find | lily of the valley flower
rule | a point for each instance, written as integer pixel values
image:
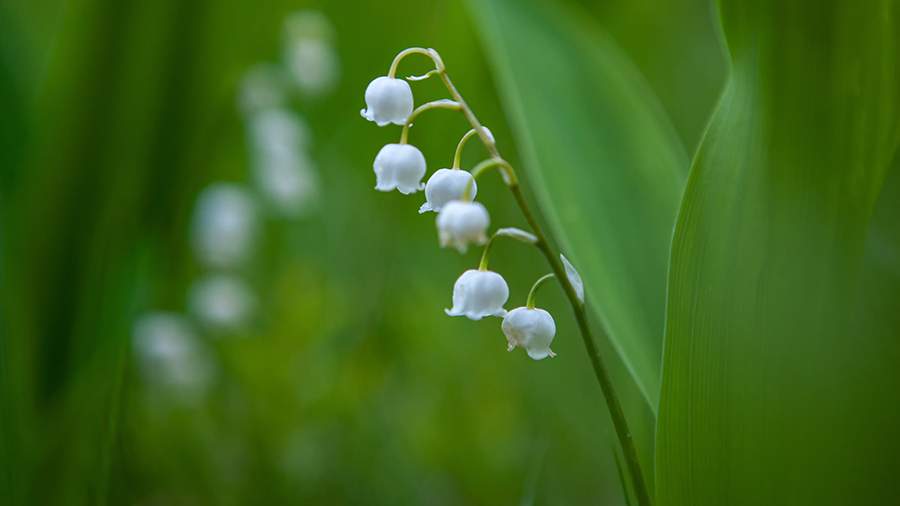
(399, 166)
(460, 223)
(477, 294)
(225, 225)
(388, 100)
(532, 329)
(170, 356)
(446, 185)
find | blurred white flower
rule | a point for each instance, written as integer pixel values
(388, 100)
(400, 167)
(170, 356)
(312, 65)
(262, 87)
(477, 294)
(222, 303)
(532, 329)
(461, 223)
(278, 130)
(446, 185)
(225, 225)
(283, 171)
(309, 55)
(290, 184)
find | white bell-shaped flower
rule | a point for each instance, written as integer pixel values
(447, 185)
(399, 166)
(477, 294)
(532, 329)
(460, 223)
(225, 225)
(388, 100)
(170, 356)
(309, 56)
(222, 302)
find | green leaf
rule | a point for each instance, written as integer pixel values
(777, 389)
(603, 160)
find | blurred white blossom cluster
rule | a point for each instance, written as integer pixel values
(225, 232)
(171, 357)
(279, 140)
(228, 216)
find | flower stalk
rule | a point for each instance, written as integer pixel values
(436, 104)
(457, 157)
(529, 303)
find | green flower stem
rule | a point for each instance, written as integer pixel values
(626, 440)
(509, 174)
(485, 255)
(529, 303)
(457, 157)
(431, 53)
(437, 104)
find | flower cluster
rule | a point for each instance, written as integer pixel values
(171, 356)
(450, 192)
(228, 217)
(225, 231)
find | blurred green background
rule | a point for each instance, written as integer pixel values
(323, 369)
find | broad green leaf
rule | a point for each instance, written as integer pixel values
(776, 388)
(603, 160)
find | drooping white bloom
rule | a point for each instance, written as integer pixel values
(225, 225)
(446, 185)
(309, 56)
(399, 166)
(574, 277)
(312, 65)
(530, 328)
(283, 171)
(222, 302)
(289, 183)
(460, 223)
(277, 130)
(477, 294)
(170, 356)
(262, 87)
(388, 100)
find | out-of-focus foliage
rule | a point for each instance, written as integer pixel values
(780, 370)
